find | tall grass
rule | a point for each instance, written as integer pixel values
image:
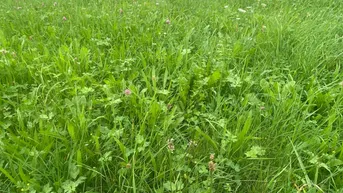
(171, 96)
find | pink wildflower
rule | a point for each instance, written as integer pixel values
(127, 92)
(64, 18)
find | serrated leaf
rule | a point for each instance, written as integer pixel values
(139, 139)
(255, 151)
(214, 78)
(47, 188)
(44, 116)
(170, 186)
(114, 102)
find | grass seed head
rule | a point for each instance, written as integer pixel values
(211, 166)
(212, 156)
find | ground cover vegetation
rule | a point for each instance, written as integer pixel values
(171, 96)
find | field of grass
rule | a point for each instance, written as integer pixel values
(199, 96)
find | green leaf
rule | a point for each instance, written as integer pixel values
(170, 186)
(71, 131)
(47, 188)
(8, 175)
(70, 186)
(164, 92)
(207, 137)
(73, 171)
(214, 78)
(139, 139)
(255, 151)
(44, 117)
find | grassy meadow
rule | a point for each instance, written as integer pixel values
(174, 96)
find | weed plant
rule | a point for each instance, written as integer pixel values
(136, 96)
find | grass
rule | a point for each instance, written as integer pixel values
(134, 96)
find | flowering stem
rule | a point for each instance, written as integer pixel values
(211, 180)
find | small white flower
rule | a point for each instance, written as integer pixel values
(192, 143)
(170, 145)
(4, 51)
(242, 10)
